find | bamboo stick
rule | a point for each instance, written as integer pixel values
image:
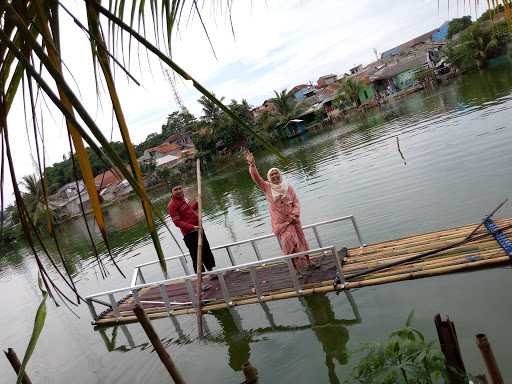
(426, 254)
(417, 246)
(429, 236)
(157, 344)
(490, 360)
(444, 255)
(199, 250)
(328, 287)
(16, 365)
(427, 271)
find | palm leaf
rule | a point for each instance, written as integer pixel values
(185, 76)
(39, 321)
(83, 158)
(93, 19)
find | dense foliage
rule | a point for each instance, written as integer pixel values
(62, 173)
(457, 25)
(406, 357)
(479, 42)
(491, 13)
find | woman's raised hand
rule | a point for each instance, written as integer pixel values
(249, 157)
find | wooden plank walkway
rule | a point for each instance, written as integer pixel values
(276, 284)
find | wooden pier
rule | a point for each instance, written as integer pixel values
(275, 280)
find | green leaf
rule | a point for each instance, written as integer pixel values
(36, 331)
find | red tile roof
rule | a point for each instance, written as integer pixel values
(107, 178)
(165, 148)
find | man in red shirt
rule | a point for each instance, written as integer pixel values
(184, 216)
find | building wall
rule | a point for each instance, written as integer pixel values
(299, 95)
(404, 79)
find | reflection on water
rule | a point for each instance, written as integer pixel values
(456, 140)
(331, 333)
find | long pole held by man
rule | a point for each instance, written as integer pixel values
(186, 216)
(199, 264)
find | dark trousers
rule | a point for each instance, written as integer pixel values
(191, 243)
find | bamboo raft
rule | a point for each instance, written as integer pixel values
(274, 282)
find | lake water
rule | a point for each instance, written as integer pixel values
(457, 143)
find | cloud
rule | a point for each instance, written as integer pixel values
(275, 46)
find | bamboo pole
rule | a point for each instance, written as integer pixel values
(426, 254)
(325, 287)
(16, 365)
(490, 361)
(199, 249)
(451, 350)
(157, 344)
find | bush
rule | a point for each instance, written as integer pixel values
(478, 43)
(404, 358)
(457, 25)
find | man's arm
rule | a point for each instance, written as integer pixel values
(176, 219)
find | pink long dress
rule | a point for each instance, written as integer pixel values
(281, 210)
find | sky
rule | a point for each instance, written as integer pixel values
(277, 44)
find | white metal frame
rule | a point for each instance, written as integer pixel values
(189, 279)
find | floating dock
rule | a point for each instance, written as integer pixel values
(275, 278)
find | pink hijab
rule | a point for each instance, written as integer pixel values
(278, 190)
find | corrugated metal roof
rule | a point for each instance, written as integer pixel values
(394, 69)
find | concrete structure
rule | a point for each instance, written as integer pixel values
(299, 91)
(181, 139)
(326, 80)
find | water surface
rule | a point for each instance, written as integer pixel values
(456, 142)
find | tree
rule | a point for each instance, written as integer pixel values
(350, 88)
(457, 25)
(178, 122)
(211, 111)
(286, 106)
(477, 44)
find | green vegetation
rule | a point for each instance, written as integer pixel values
(491, 13)
(350, 89)
(458, 24)
(477, 43)
(406, 357)
(286, 106)
(425, 76)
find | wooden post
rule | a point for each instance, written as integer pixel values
(199, 251)
(451, 350)
(250, 373)
(15, 362)
(157, 344)
(490, 361)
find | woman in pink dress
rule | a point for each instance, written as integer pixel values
(284, 211)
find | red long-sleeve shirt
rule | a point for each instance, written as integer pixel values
(183, 214)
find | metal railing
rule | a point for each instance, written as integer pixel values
(138, 281)
(189, 281)
(139, 277)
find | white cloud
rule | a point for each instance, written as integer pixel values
(275, 47)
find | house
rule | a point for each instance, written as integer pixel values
(298, 91)
(356, 69)
(422, 42)
(115, 191)
(441, 34)
(167, 161)
(324, 81)
(182, 139)
(70, 189)
(63, 206)
(107, 179)
(400, 74)
(268, 106)
(151, 154)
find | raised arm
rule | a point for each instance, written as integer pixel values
(253, 171)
